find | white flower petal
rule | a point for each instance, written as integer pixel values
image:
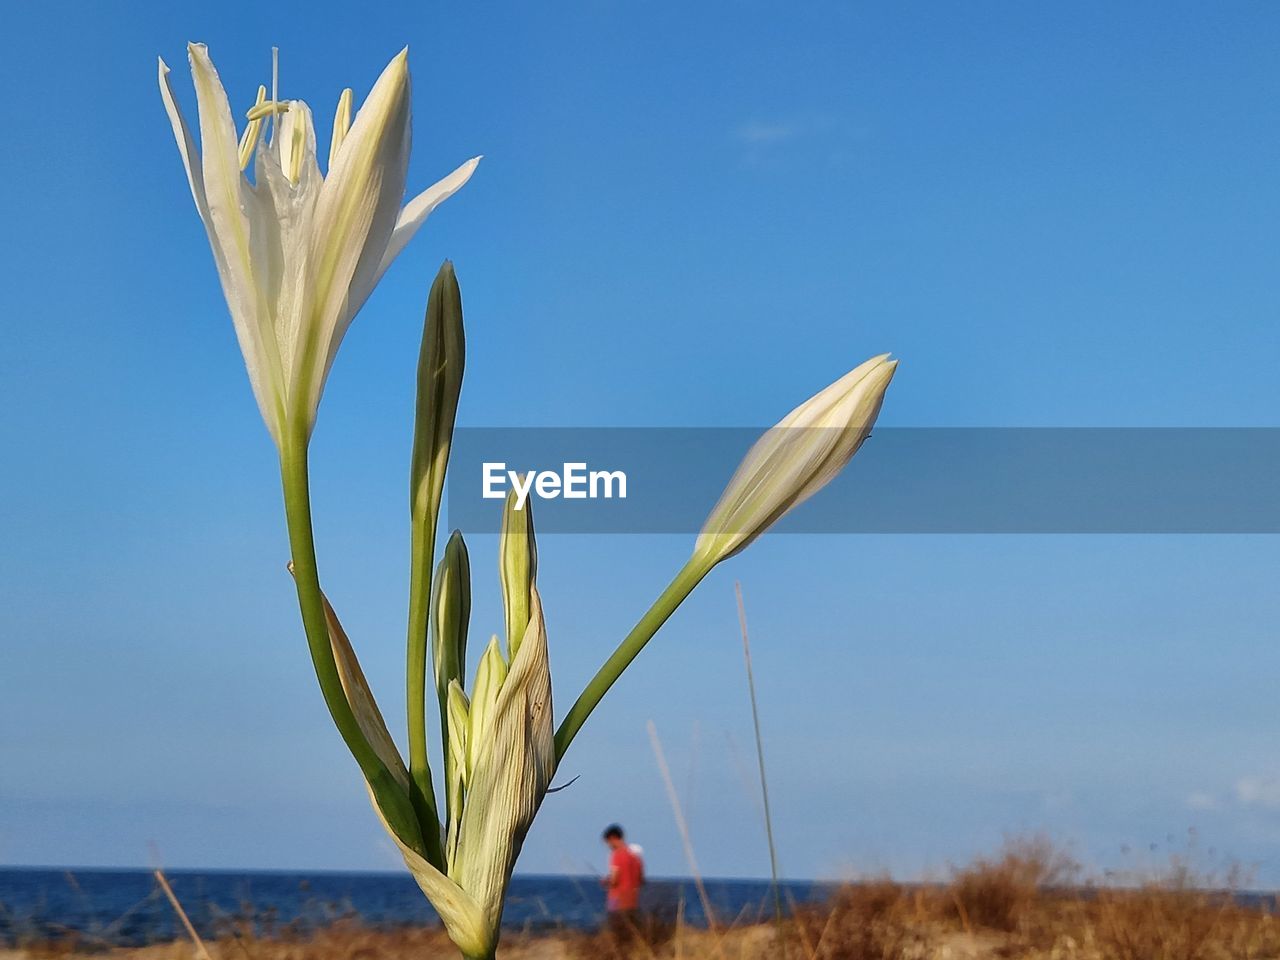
(416, 211)
(228, 202)
(186, 145)
(282, 240)
(296, 141)
(354, 217)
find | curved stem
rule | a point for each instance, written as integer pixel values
(690, 576)
(391, 799)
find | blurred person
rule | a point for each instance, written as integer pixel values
(622, 883)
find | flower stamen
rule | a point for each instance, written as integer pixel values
(265, 107)
(249, 139)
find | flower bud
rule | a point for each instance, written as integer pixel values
(497, 796)
(490, 674)
(511, 771)
(518, 567)
(457, 769)
(440, 364)
(795, 459)
(450, 613)
(459, 710)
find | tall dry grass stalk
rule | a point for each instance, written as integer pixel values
(161, 879)
(682, 826)
(764, 780)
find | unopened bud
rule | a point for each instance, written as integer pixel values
(490, 673)
(795, 459)
(450, 613)
(459, 724)
(518, 567)
(440, 365)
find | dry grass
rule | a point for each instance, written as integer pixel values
(1011, 892)
(1025, 903)
(875, 920)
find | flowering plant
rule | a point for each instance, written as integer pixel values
(298, 253)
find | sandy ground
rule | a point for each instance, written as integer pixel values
(758, 942)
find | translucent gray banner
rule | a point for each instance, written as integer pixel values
(904, 480)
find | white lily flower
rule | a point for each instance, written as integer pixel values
(795, 459)
(298, 252)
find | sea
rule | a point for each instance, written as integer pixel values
(112, 908)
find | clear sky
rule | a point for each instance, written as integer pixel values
(688, 214)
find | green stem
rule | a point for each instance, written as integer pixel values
(690, 576)
(421, 789)
(391, 799)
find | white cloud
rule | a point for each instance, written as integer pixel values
(756, 133)
(1259, 792)
(1200, 800)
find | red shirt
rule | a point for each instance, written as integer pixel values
(628, 874)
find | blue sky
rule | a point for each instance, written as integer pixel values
(687, 215)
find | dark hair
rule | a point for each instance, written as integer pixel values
(612, 830)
